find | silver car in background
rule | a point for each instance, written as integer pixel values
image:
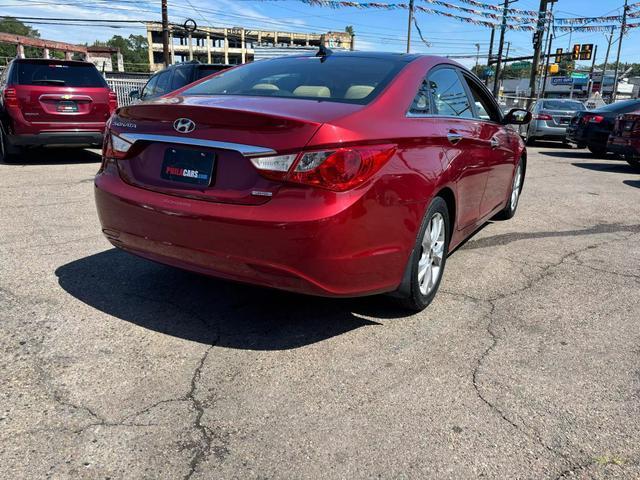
(551, 117)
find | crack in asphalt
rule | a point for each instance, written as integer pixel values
(546, 271)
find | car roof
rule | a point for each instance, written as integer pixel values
(49, 61)
(401, 57)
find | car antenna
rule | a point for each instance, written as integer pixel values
(323, 52)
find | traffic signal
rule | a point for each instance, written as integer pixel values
(559, 55)
(576, 52)
(586, 52)
(536, 38)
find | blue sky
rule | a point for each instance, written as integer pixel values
(375, 29)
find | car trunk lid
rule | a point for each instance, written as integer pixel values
(227, 133)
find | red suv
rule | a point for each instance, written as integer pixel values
(52, 102)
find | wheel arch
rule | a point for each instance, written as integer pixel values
(446, 193)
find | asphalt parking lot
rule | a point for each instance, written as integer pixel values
(527, 365)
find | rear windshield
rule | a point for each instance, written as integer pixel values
(56, 74)
(563, 105)
(625, 106)
(347, 79)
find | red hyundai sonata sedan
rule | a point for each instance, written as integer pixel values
(342, 174)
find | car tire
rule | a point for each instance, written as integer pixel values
(597, 151)
(8, 153)
(530, 141)
(514, 194)
(634, 162)
(425, 269)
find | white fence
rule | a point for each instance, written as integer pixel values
(123, 86)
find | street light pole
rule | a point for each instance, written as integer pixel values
(477, 57)
(537, 47)
(165, 34)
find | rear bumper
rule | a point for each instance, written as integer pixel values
(349, 248)
(624, 147)
(71, 138)
(540, 129)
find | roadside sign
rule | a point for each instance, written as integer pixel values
(521, 65)
(561, 81)
(579, 75)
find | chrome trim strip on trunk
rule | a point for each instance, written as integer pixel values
(245, 150)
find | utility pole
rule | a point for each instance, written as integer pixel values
(165, 34)
(549, 42)
(493, 34)
(477, 56)
(593, 67)
(622, 30)
(503, 28)
(606, 57)
(409, 26)
(537, 47)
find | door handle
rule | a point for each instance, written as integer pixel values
(454, 138)
(495, 143)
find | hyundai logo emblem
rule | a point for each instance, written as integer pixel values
(184, 125)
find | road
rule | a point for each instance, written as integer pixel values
(527, 365)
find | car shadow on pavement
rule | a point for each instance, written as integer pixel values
(576, 154)
(632, 183)
(617, 167)
(206, 310)
(56, 156)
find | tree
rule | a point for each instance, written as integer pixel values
(134, 51)
(349, 30)
(16, 27)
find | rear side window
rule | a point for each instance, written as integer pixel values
(179, 79)
(57, 74)
(421, 104)
(449, 96)
(164, 83)
(336, 78)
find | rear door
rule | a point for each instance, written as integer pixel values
(54, 92)
(465, 149)
(494, 145)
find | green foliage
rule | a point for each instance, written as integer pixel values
(134, 51)
(15, 26)
(349, 29)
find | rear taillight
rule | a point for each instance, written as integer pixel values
(113, 102)
(592, 119)
(10, 96)
(337, 169)
(115, 146)
(542, 116)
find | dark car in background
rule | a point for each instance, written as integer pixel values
(45, 102)
(551, 117)
(592, 128)
(625, 138)
(175, 77)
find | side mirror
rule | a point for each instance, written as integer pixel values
(517, 116)
(134, 94)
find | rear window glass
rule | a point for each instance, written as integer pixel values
(347, 79)
(625, 106)
(60, 75)
(563, 105)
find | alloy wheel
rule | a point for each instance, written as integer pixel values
(432, 254)
(515, 189)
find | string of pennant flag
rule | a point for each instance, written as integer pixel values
(522, 23)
